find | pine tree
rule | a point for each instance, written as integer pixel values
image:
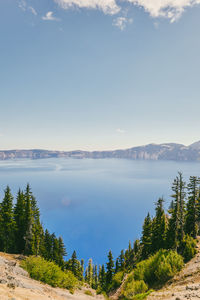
(74, 266)
(191, 222)
(37, 227)
(117, 266)
(102, 277)
(19, 217)
(7, 223)
(95, 277)
(147, 237)
(48, 246)
(61, 252)
(110, 268)
(86, 274)
(55, 249)
(28, 237)
(82, 270)
(181, 195)
(177, 221)
(122, 261)
(176, 225)
(90, 272)
(159, 227)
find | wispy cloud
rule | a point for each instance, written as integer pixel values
(121, 22)
(119, 130)
(49, 17)
(22, 4)
(170, 9)
(34, 12)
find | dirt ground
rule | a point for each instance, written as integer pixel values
(15, 284)
(186, 285)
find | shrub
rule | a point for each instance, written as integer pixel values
(159, 268)
(169, 263)
(117, 280)
(49, 272)
(88, 293)
(133, 288)
(188, 248)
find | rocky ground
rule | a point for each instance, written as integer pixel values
(186, 285)
(15, 284)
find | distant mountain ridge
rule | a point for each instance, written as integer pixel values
(167, 151)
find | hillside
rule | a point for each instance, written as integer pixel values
(167, 151)
(15, 284)
(186, 285)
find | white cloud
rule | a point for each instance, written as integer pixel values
(49, 17)
(171, 9)
(121, 22)
(107, 6)
(118, 130)
(34, 12)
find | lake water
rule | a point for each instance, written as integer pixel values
(95, 205)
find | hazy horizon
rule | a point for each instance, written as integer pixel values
(94, 149)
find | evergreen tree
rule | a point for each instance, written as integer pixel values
(75, 266)
(117, 266)
(82, 270)
(28, 237)
(191, 222)
(95, 277)
(48, 246)
(122, 261)
(37, 227)
(176, 225)
(102, 277)
(7, 223)
(147, 237)
(181, 196)
(61, 252)
(90, 272)
(86, 274)
(19, 218)
(159, 227)
(110, 268)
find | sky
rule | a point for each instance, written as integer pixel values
(98, 74)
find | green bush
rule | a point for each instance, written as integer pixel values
(133, 288)
(89, 293)
(49, 272)
(159, 268)
(117, 280)
(188, 248)
(142, 296)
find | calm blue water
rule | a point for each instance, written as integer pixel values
(96, 205)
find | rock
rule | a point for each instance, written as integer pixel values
(19, 271)
(3, 280)
(11, 263)
(11, 285)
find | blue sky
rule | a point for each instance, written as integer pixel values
(99, 74)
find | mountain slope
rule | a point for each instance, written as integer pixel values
(186, 285)
(168, 151)
(15, 284)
